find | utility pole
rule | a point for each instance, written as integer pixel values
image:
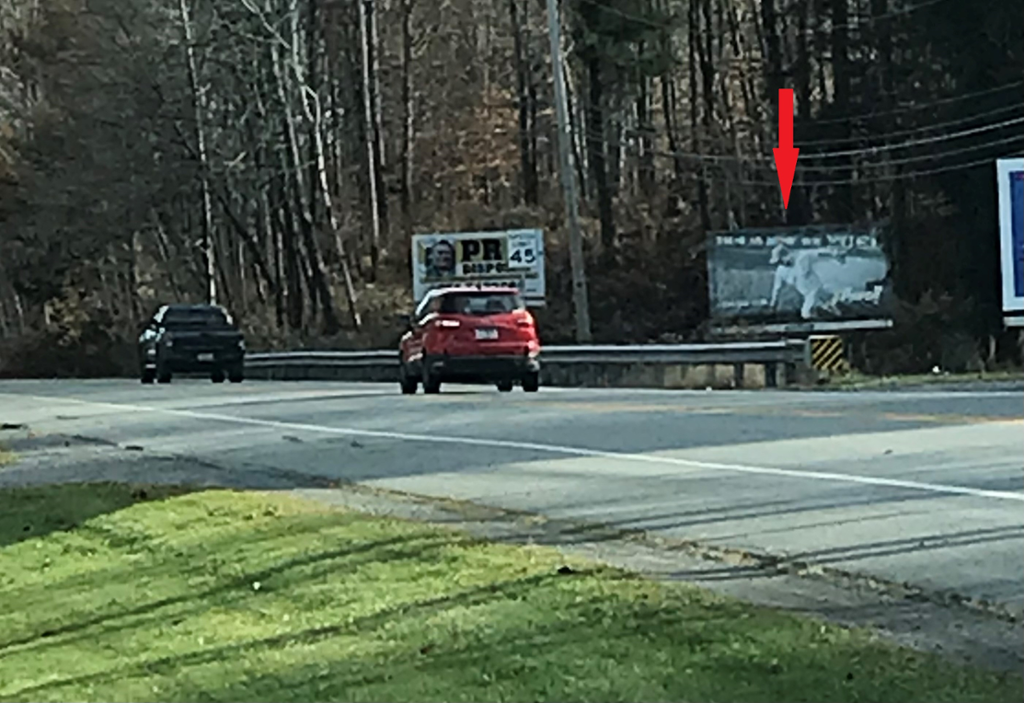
(572, 209)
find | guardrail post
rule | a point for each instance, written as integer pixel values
(738, 371)
(771, 375)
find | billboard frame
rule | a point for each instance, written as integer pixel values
(738, 327)
(1012, 303)
(521, 239)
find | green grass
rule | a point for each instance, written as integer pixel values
(859, 380)
(112, 595)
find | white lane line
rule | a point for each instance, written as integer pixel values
(558, 449)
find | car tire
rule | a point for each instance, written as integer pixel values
(431, 384)
(163, 377)
(505, 386)
(148, 376)
(409, 384)
(217, 376)
(531, 383)
(236, 375)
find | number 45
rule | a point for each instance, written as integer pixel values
(521, 256)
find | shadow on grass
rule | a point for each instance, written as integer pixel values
(582, 644)
(509, 589)
(280, 575)
(379, 613)
(36, 511)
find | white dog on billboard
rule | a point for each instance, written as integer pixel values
(798, 271)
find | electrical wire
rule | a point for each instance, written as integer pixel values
(910, 132)
(766, 162)
(871, 19)
(872, 151)
(633, 133)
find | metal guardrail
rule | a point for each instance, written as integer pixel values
(381, 363)
(786, 351)
(376, 357)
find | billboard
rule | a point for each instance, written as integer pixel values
(1010, 173)
(503, 258)
(808, 275)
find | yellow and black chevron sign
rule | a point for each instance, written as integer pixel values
(827, 354)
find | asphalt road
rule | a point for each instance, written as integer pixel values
(924, 487)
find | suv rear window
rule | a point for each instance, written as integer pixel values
(206, 317)
(480, 303)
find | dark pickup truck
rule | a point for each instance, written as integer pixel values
(191, 339)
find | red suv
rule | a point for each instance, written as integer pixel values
(470, 335)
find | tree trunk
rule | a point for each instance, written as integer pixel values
(320, 288)
(596, 140)
(670, 109)
(292, 266)
(694, 43)
(408, 117)
(645, 123)
(524, 80)
(843, 201)
(199, 114)
(378, 123)
(372, 162)
(314, 117)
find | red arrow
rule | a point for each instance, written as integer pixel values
(786, 155)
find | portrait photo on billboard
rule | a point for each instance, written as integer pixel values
(808, 274)
(439, 260)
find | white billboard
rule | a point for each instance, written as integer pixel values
(503, 258)
(1010, 174)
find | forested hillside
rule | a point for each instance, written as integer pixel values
(302, 142)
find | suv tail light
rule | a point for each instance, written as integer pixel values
(525, 323)
(448, 323)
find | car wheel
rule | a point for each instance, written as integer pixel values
(148, 376)
(236, 375)
(531, 383)
(163, 377)
(431, 384)
(217, 376)
(408, 383)
(505, 386)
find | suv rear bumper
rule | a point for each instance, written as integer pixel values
(187, 361)
(482, 368)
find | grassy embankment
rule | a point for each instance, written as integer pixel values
(861, 381)
(115, 593)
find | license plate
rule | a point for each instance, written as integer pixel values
(486, 334)
(205, 357)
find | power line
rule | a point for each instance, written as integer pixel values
(872, 151)
(906, 175)
(899, 133)
(918, 142)
(885, 178)
(626, 15)
(898, 110)
(871, 19)
(846, 167)
(908, 132)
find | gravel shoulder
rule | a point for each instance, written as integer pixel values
(966, 632)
